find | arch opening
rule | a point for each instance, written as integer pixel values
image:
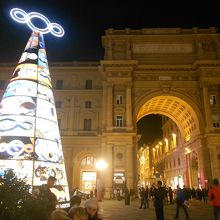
(176, 109)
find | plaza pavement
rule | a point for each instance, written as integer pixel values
(117, 210)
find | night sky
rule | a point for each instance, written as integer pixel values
(86, 21)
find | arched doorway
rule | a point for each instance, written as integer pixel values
(85, 173)
(187, 117)
(88, 174)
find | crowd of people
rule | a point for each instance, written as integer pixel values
(161, 195)
(89, 210)
(158, 193)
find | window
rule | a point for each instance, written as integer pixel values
(216, 124)
(88, 104)
(88, 84)
(88, 161)
(119, 121)
(87, 124)
(178, 161)
(2, 84)
(212, 99)
(58, 104)
(216, 121)
(59, 84)
(119, 99)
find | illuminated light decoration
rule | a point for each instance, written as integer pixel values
(30, 142)
(188, 137)
(174, 140)
(187, 150)
(21, 16)
(166, 145)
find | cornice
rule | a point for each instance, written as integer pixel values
(160, 31)
(119, 62)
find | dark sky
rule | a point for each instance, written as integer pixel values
(86, 21)
(150, 129)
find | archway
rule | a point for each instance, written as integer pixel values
(186, 118)
(84, 172)
(175, 108)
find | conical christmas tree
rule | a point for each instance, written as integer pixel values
(30, 142)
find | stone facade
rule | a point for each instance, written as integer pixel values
(170, 71)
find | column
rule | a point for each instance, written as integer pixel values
(128, 108)
(109, 107)
(109, 48)
(208, 115)
(214, 161)
(108, 176)
(104, 100)
(188, 171)
(129, 166)
(71, 117)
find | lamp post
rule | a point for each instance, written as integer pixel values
(100, 166)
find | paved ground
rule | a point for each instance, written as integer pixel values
(117, 210)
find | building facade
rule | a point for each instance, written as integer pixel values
(170, 71)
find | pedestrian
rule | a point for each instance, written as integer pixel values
(92, 208)
(214, 196)
(146, 198)
(170, 195)
(91, 194)
(59, 214)
(127, 196)
(180, 202)
(78, 213)
(142, 197)
(205, 195)
(75, 201)
(46, 194)
(159, 195)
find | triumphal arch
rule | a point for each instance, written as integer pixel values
(173, 72)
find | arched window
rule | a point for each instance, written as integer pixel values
(88, 161)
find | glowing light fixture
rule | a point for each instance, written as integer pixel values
(101, 165)
(22, 17)
(187, 150)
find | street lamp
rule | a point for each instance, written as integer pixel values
(100, 166)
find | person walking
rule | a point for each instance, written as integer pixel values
(170, 195)
(159, 195)
(142, 196)
(146, 198)
(180, 202)
(214, 196)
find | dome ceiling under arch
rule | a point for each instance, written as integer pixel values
(176, 109)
